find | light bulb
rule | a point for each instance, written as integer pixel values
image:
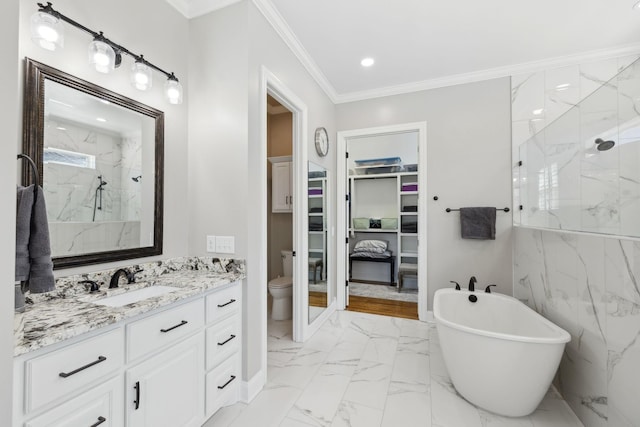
(141, 77)
(47, 31)
(173, 90)
(101, 56)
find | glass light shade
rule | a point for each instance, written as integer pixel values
(47, 31)
(173, 91)
(141, 77)
(102, 56)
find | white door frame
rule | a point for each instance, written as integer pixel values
(341, 223)
(271, 84)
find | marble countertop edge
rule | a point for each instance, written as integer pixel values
(56, 320)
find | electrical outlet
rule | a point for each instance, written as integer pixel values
(211, 243)
(225, 244)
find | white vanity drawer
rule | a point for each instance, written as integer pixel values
(163, 328)
(101, 406)
(221, 303)
(71, 368)
(223, 385)
(223, 339)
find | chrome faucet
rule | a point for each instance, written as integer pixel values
(472, 283)
(131, 277)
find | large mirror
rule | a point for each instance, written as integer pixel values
(100, 160)
(317, 205)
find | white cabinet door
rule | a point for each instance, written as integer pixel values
(281, 199)
(168, 389)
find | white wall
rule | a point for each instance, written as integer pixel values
(9, 119)
(228, 49)
(468, 164)
(141, 27)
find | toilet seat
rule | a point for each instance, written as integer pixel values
(281, 282)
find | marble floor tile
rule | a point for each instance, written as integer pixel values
(354, 415)
(363, 370)
(369, 384)
(320, 400)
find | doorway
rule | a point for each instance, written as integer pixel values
(382, 266)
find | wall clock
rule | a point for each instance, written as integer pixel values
(322, 142)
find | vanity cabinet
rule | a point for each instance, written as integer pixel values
(174, 366)
(167, 389)
(281, 187)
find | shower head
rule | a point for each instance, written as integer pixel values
(102, 183)
(603, 145)
(136, 178)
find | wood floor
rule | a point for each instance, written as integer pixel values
(317, 299)
(385, 307)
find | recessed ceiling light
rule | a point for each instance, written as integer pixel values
(563, 86)
(538, 111)
(100, 119)
(104, 101)
(367, 62)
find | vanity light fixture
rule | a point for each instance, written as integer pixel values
(141, 76)
(105, 55)
(47, 31)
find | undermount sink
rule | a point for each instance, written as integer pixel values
(134, 296)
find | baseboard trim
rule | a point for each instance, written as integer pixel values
(250, 389)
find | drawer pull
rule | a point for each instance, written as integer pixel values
(227, 340)
(100, 421)
(68, 374)
(184, 322)
(233, 377)
(231, 301)
(137, 401)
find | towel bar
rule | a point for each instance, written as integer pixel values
(498, 209)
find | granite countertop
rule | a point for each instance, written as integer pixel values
(68, 311)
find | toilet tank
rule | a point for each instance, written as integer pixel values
(287, 263)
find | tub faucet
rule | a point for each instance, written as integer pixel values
(131, 278)
(472, 283)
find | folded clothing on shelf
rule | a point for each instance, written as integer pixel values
(315, 223)
(317, 209)
(410, 208)
(409, 224)
(409, 186)
(315, 191)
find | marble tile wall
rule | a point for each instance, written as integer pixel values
(590, 286)
(564, 182)
(70, 191)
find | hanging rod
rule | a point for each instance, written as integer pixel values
(498, 209)
(34, 170)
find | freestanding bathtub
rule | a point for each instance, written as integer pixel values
(500, 354)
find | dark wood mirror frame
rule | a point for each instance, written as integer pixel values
(33, 146)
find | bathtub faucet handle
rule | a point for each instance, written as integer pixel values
(472, 283)
(488, 289)
(457, 284)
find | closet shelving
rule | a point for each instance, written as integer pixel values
(317, 206)
(387, 195)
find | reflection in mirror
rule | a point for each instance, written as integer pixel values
(317, 206)
(100, 155)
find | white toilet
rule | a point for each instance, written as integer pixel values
(281, 289)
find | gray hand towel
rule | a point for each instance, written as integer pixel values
(33, 248)
(478, 223)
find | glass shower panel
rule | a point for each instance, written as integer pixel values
(582, 171)
(629, 148)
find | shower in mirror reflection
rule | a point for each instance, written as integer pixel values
(99, 189)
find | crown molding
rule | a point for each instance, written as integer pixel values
(492, 73)
(194, 8)
(286, 34)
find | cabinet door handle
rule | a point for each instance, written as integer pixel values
(75, 371)
(137, 400)
(231, 301)
(100, 421)
(233, 377)
(184, 322)
(227, 340)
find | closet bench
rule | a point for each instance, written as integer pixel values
(390, 260)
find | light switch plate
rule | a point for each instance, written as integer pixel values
(225, 244)
(211, 243)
